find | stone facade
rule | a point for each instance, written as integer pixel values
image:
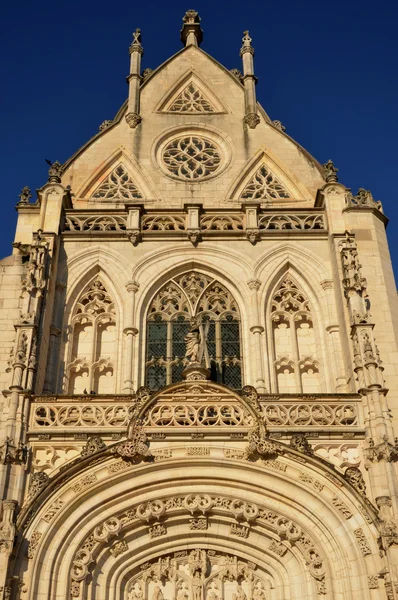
(198, 360)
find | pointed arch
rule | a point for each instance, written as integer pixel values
(83, 270)
(92, 349)
(191, 94)
(294, 345)
(265, 179)
(132, 178)
(186, 310)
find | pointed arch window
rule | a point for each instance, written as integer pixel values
(92, 355)
(294, 347)
(168, 322)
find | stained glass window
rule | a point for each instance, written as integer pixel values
(188, 295)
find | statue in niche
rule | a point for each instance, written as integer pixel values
(193, 341)
(240, 594)
(135, 592)
(258, 592)
(197, 586)
(157, 593)
(182, 591)
(196, 342)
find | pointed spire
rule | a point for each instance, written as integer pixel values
(191, 32)
(249, 81)
(136, 50)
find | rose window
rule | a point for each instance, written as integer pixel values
(192, 157)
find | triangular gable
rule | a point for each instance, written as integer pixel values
(120, 178)
(266, 181)
(191, 95)
(117, 187)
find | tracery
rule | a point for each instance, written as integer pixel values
(296, 366)
(168, 323)
(91, 366)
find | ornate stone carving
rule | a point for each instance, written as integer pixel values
(33, 543)
(241, 531)
(354, 476)
(84, 482)
(191, 100)
(330, 172)
(117, 187)
(55, 172)
(278, 125)
(353, 279)
(194, 236)
(192, 157)
(294, 222)
(24, 196)
(259, 445)
(105, 124)
(253, 235)
(300, 442)
(94, 444)
(252, 120)
(277, 548)
(363, 199)
(116, 223)
(237, 74)
(35, 280)
(264, 185)
(363, 542)
(135, 448)
(373, 582)
(341, 507)
(53, 510)
(133, 119)
(119, 548)
(38, 482)
(146, 73)
(157, 530)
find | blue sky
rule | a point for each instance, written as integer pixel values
(328, 72)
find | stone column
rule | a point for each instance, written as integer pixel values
(55, 332)
(136, 50)
(249, 81)
(257, 330)
(130, 331)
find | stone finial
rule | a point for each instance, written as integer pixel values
(55, 172)
(278, 125)
(25, 195)
(105, 124)
(330, 172)
(136, 45)
(247, 44)
(191, 32)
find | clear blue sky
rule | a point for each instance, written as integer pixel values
(327, 71)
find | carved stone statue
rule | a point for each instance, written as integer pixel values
(193, 341)
(197, 586)
(157, 593)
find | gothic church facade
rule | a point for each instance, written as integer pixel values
(198, 360)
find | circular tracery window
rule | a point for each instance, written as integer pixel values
(192, 157)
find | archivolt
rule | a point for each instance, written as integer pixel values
(107, 505)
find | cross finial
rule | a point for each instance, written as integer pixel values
(247, 43)
(136, 45)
